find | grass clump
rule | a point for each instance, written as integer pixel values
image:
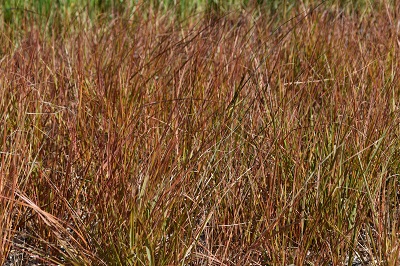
(229, 138)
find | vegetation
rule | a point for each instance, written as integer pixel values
(200, 132)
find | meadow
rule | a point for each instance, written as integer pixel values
(200, 132)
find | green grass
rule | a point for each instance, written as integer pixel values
(200, 133)
(14, 11)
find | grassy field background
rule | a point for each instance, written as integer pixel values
(199, 132)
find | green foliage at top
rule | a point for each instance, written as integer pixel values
(61, 11)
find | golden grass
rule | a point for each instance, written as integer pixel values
(217, 140)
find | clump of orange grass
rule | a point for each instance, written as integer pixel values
(220, 139)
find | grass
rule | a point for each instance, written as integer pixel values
(138, 134)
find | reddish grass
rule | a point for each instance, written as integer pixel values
(218, 140)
